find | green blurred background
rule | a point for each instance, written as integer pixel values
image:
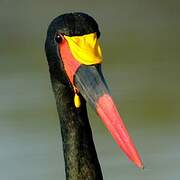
(141, 47)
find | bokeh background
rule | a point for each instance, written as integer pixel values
(141, 47)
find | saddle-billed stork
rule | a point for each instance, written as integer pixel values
(74, 58)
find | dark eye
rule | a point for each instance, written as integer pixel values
(98, 34)
(58, 38)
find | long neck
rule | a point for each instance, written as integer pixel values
(80, 156)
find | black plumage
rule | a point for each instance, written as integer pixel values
(81, 162)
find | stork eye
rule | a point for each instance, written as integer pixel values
(58, 38)
(98, 34)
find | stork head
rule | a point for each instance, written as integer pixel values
(74, 56)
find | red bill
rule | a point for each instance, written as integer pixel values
(81, 56)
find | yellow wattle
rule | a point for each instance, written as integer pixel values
(77, 101)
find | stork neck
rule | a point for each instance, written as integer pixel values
(80, 156)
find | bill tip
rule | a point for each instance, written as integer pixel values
(140, 166)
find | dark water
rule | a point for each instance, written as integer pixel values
(140, 43)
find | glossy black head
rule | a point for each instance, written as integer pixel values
(71, 24)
